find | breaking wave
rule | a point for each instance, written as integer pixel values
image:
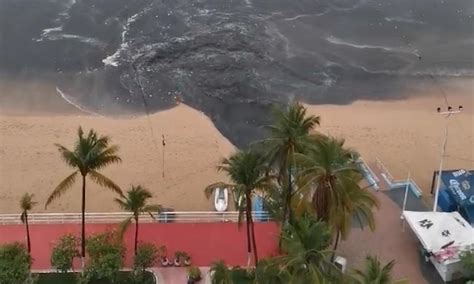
(335, 40)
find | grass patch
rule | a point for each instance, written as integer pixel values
(71, 278)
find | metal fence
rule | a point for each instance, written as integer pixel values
(383, 170)
(393, 184)
(116, 217)
(369, 174)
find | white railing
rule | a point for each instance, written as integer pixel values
(369, 174)
(392, 183)
(383, 170)
(116, 217)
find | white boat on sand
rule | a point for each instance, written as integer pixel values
(221, 199)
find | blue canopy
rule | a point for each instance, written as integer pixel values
(460, 186)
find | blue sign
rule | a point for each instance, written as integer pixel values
(460, 185)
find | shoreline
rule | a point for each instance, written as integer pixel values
(399, 132)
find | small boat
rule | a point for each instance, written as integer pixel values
(221, 199)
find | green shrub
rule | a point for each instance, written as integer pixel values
(146, 257)
(194, 273)
(106, 254)
(64, 252)
(15, 264)
(467, 260)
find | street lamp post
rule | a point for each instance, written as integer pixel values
(447, 115)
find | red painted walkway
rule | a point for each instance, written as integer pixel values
(205, 242)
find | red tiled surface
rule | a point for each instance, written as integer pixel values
(205, 242)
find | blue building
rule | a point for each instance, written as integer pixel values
(456, 192)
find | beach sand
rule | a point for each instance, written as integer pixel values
(405, 134)
(29, 161)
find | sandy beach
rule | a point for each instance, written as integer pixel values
(405, 134)
(30, 162)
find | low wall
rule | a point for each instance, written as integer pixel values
(205, 242)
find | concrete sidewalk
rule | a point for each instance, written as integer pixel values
(177, 275)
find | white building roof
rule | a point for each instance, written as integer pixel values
(437, 230)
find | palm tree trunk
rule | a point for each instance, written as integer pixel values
(83, 230)
(321, 202)
(254, 242)
(287, 212)
(28, 241)
(136, 234)
(288, 197)
(248, 212)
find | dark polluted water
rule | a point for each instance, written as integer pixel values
(230, 59)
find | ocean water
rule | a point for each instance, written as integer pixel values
(230, 59)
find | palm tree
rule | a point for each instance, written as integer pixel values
(26, 204)
(269, 272)
(374, 272)
(358, 205)
(246, 170)
(90, 154)
(307, 259)
(135, 202)
(331, 179)
(289, 135)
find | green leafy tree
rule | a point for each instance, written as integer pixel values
(307, 259)
(64, 252)
(106, 254)
(26, 204)
(146, 257)
(91, 153)
(374, 272)
(135, 201)
(289, 135)
(246, 170)
(331, 179)
(15, 264)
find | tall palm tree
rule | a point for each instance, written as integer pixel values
(374, 272)
(331, 178)
(307, 259)
(290, 134)
(91, 153)
(135, 201)
(246, 170)
(26, 204)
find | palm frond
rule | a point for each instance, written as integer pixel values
(105, 182)
(123, 226)
(103, 161)
(121, 203)
(23, 217)
(152, 208)
(61, 188)
(69, 157)
(26, 202)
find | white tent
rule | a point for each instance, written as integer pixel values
(438, 230)
(444, 235)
